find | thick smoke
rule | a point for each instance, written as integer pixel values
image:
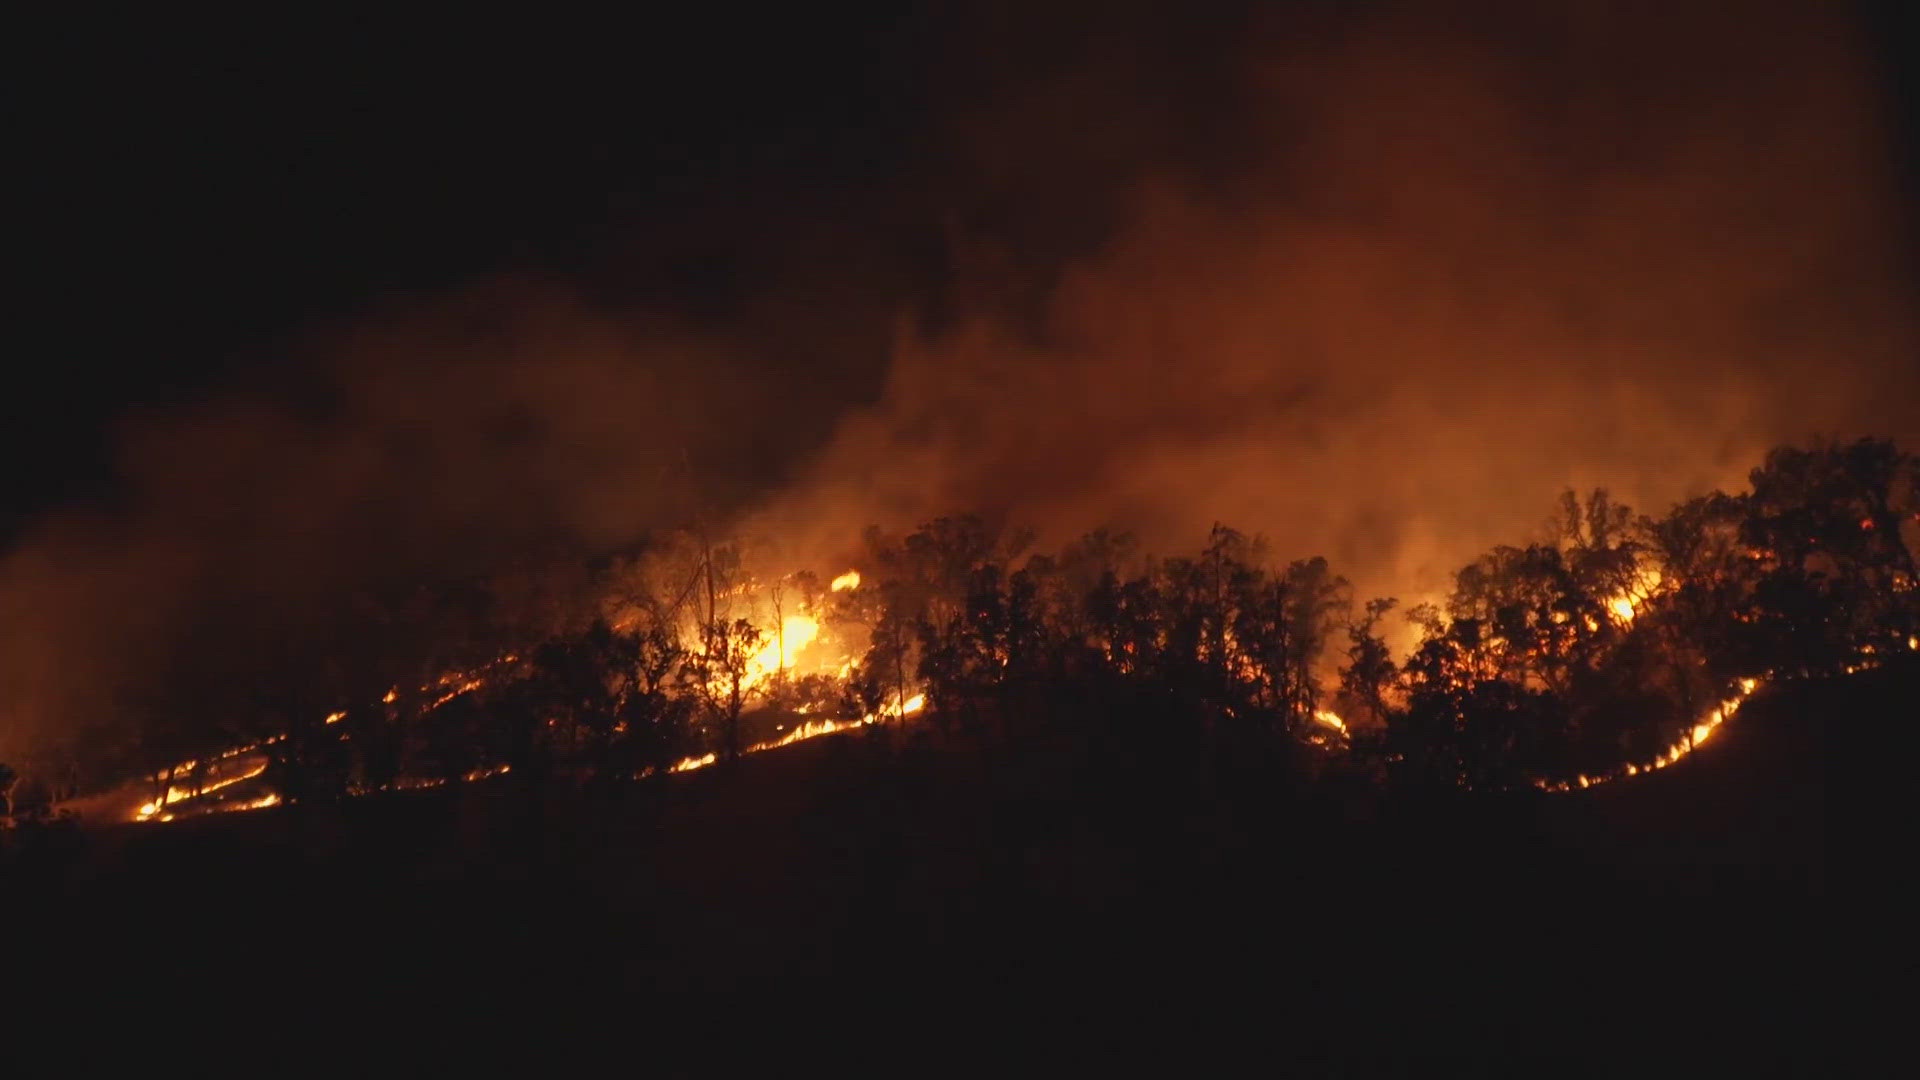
(1374, 282)
(499, 436)
(1444, 276)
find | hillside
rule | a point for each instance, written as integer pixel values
(1081, 875)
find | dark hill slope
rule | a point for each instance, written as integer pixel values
(1135, 887)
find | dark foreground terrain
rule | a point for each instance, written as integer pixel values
(1108, 893)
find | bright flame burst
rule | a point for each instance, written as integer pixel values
(848, 580)
(1626, 603)
(797, 632)
(175, 793)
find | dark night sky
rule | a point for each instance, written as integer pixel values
(200, 196)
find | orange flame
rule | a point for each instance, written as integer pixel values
(175, 793)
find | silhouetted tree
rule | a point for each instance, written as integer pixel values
(652, 716)
(1316, 602)
(1829, 527)
(720, 675)
(1698, 624)
(1370, 673)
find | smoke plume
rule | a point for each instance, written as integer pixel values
(1442, 276)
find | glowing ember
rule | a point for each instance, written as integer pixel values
(336, 717)
(848, 580)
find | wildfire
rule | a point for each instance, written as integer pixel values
(848, 580)
(1331, 720)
